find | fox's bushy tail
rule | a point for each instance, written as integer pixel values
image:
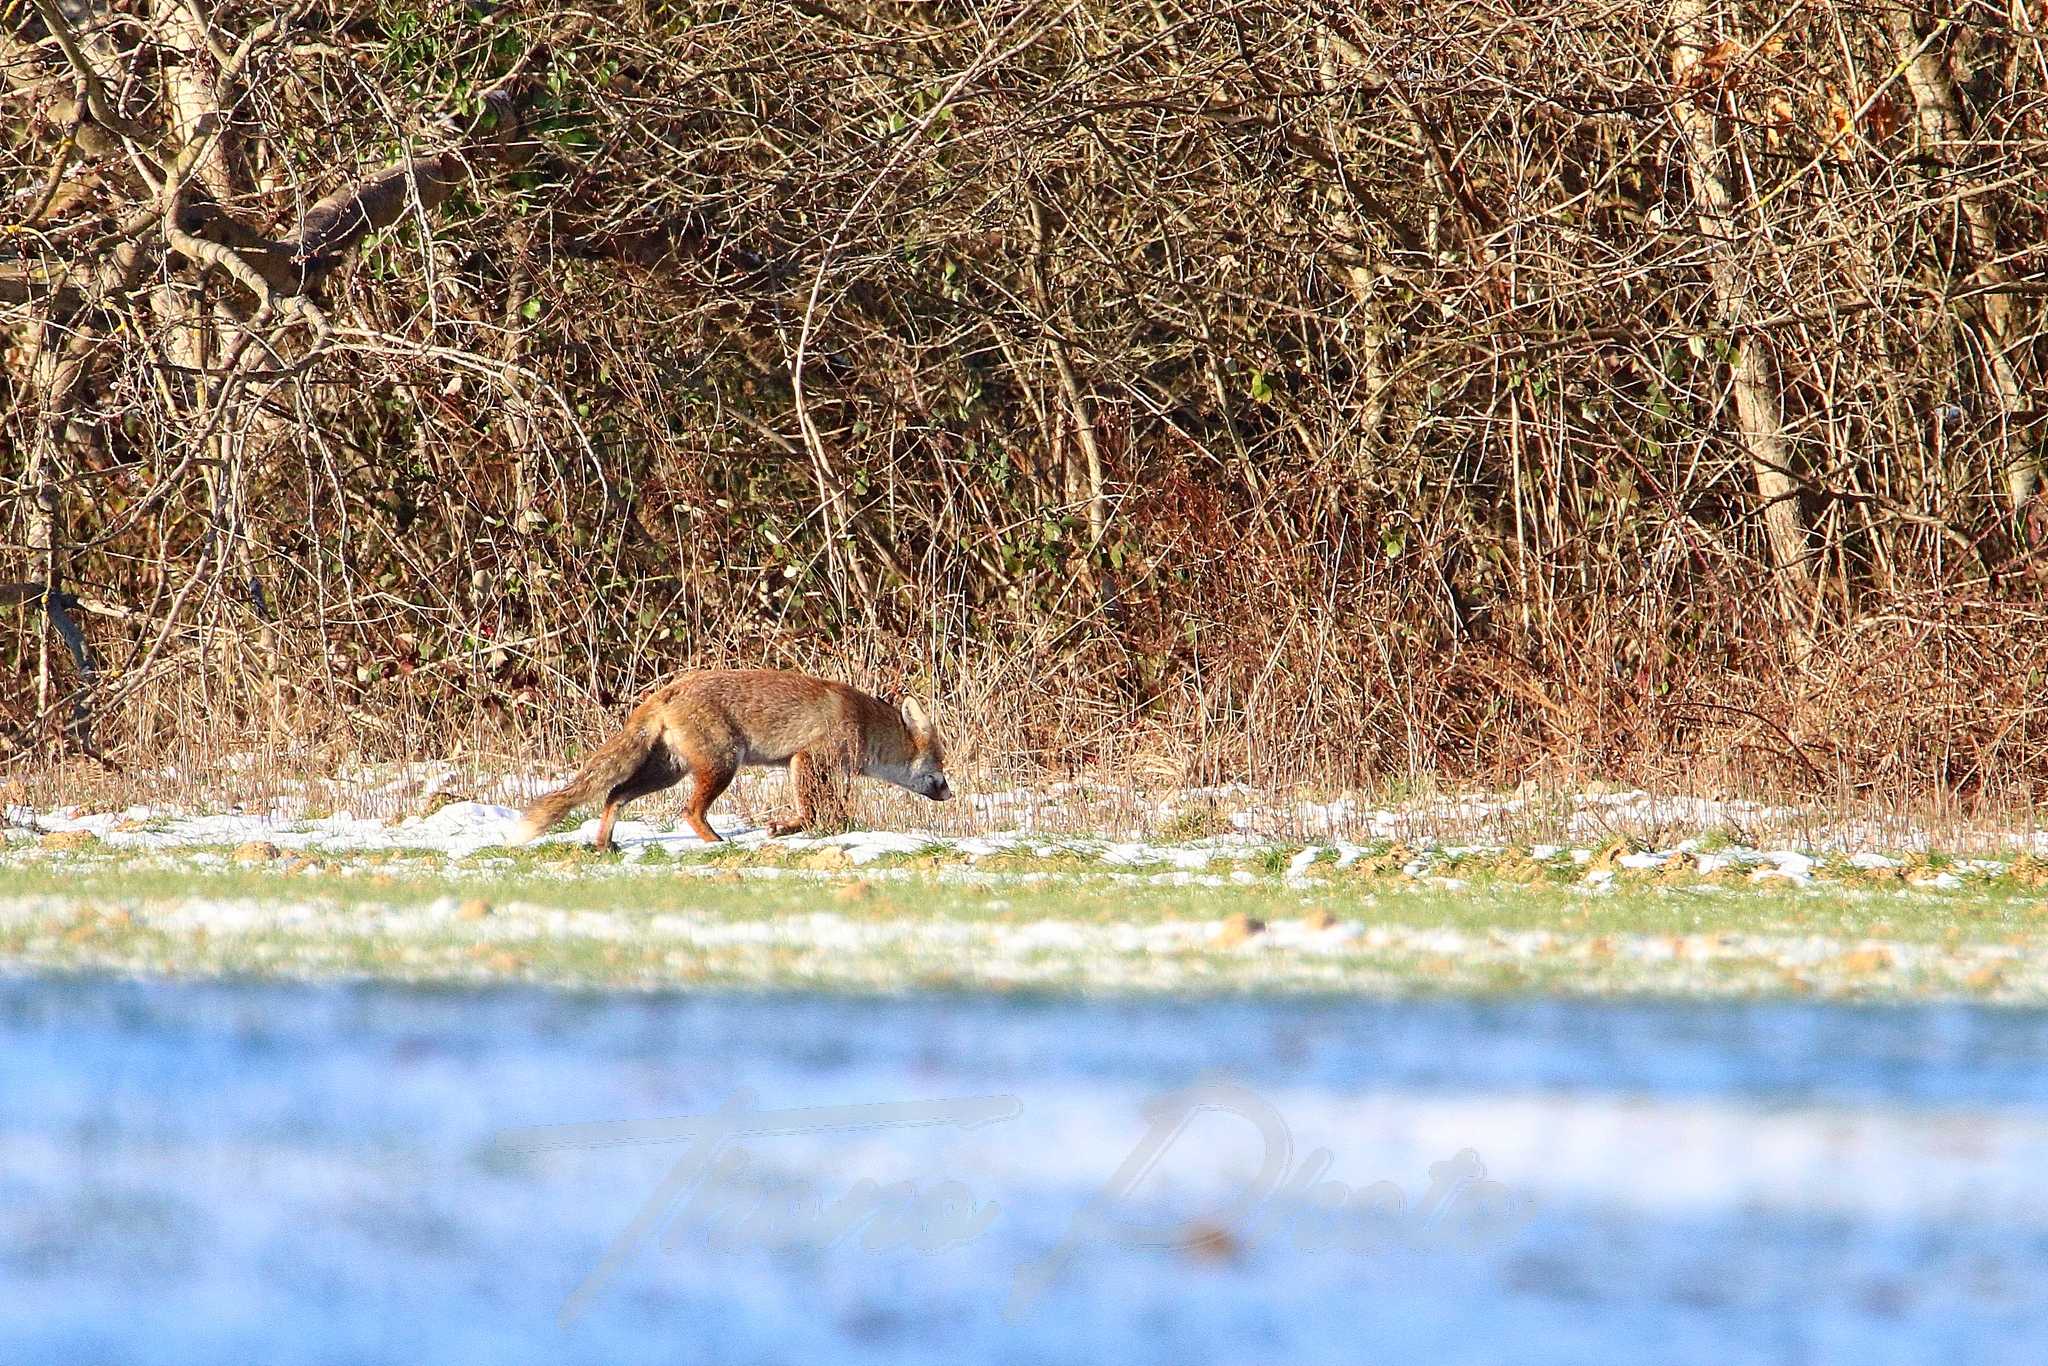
(617, 761)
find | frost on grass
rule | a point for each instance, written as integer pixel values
(437, 901)
(1694, 911)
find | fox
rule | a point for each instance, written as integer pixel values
(710, 723)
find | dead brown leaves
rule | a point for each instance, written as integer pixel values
(1772, 88)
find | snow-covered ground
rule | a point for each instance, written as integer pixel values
(459, 828)
(307, 1172)
(354, 803)
(1952, 927)
(288, 1174)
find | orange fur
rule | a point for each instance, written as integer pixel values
(712, 723)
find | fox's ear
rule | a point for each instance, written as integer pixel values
(914, 717)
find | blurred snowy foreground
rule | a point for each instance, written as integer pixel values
(287, 1173)
(297, 1169)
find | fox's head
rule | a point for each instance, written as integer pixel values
(926, 773)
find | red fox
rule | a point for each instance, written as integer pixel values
(709, 724)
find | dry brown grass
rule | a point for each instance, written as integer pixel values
(1179, 394)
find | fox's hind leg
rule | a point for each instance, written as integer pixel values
(657, 772)
(709, 779)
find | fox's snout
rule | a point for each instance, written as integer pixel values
(937, 788)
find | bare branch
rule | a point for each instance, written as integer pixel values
(96, 100)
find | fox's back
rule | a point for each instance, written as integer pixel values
(763, 716)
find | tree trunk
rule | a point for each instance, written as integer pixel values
(1758, 417)
(1992, 316)
(43, 548)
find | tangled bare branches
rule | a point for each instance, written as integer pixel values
(1360, 390)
